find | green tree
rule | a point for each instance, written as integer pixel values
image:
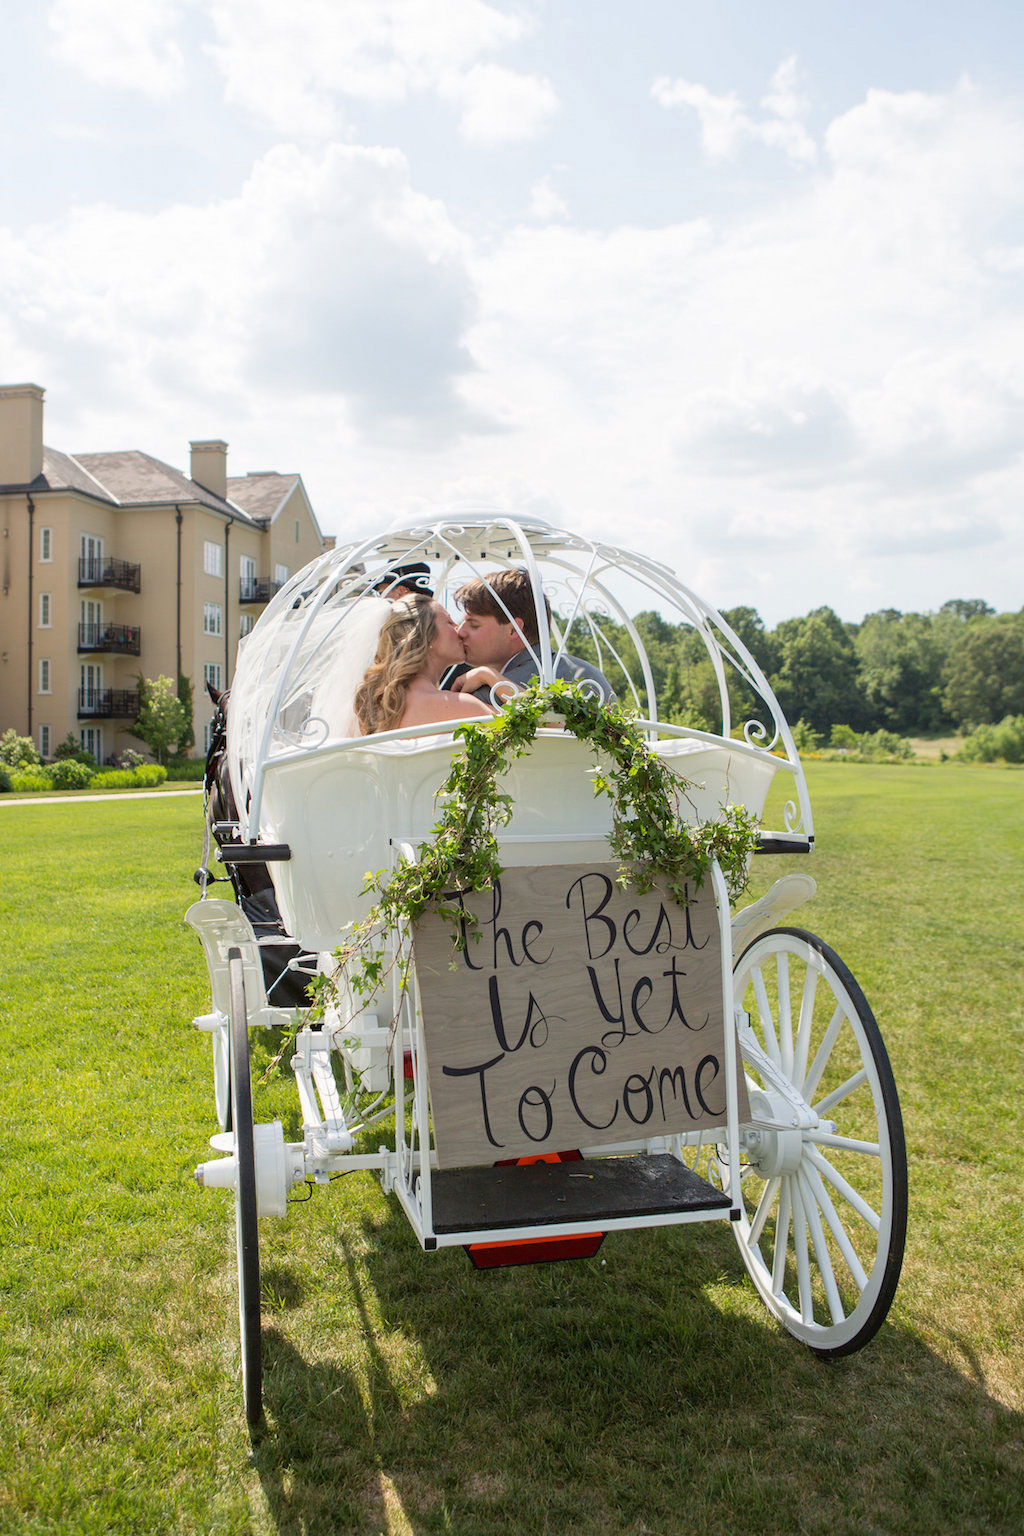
(985, 670)
(817, 675)
(17, 751)
(161, 721)
(900, 658)
(187, 740)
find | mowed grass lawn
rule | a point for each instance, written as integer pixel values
(643, 1391)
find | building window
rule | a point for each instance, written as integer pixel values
(44, 741)
(44, 610)
(44, 674)
(45, 544)
(245, 623)
(213, 558)
(207, 736)
(281, 574)
(211, 673)
(296, 530)
(212, 615)
(91, 738)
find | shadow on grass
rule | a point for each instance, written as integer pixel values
(642, 1394)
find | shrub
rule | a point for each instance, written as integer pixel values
(17, 751)
(129, 758)
(25, 779)
(844, 737)
(189, 771)
(148, 774)
(68, 773)
(805, 737)
(987, 742)
(143, 777)
(885, 744)
(72, 749)
(5, 779)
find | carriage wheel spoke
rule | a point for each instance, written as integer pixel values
(803, 1267)
(842, 1092)
(781, 1241)
(844, 1143)
(785, 1016)
(806, 1021)
(820, 1061)
(764, 1206)
(771, 1044)
(849, 1194)
(821, 1252)
(836, 1227)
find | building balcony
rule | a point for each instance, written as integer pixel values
(108, 703)
(103, 571)
(252, 590)
(116, 639)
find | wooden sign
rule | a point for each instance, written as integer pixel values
(584, 1015)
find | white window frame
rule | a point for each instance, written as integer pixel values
(281, 573)
(45, 546)
(212, 673)
(213, 558)
(45, 675)
(245, 625)
(90, 737)
(46, 610)
(207, 735)
(213, 619)
(44, 741)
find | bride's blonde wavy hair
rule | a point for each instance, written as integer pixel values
(401, 655)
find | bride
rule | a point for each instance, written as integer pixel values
(417, 643)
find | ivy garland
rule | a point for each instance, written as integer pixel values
(648, 836)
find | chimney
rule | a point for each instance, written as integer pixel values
(210, 466)
(21, 433)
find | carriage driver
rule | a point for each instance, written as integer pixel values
(497, 636)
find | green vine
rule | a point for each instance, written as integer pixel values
(649, 837)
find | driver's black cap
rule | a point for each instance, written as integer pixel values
(415, 575)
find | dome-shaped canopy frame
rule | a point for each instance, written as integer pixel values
(621, 611)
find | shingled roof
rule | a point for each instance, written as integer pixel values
(133, 478)
(63, 473)
(261, 492)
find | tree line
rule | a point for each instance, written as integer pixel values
(915, 674)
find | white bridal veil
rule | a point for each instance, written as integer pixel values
(350, 650)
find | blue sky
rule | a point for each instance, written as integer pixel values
(737, 284)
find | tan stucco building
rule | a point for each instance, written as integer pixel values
(114, 565)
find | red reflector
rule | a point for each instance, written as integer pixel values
(535, 1250)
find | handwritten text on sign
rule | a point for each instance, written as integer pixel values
(585, 1014)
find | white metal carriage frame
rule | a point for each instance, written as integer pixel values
(814, 1184)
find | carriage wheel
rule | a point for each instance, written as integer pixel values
(221, 1038)
(824, 1189)
(246, 1233)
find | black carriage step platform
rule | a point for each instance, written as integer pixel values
(541, 1194)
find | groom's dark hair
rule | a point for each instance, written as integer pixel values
(515, 590)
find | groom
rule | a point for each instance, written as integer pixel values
(500, 625)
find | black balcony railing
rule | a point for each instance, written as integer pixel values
(253, 591)
(122, 639)
(108, 703)
(103, 571)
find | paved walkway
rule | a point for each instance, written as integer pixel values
(111, 794)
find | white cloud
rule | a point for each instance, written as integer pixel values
(127, 46)
(328, 276)
(726, 124)
(500, 106)
(546, 203)
(294, 66)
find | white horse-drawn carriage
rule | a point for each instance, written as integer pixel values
(800, 1147)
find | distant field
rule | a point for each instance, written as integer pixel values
(641, 1393)
(932, 747)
